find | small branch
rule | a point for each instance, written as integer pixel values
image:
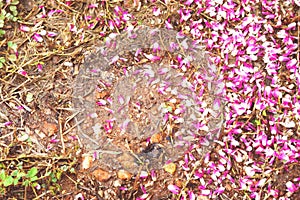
(61, 135)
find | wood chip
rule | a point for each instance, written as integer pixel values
(131, 4)
(124, 175)
(101, 95)
(101, 175)
(156, 138)
(179, 183)
(201, 197)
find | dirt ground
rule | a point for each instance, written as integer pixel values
(39, 124)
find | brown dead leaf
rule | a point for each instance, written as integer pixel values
(49, 128)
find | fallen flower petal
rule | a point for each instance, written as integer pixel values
(95, 5)
(174, 189)
(205, 192)
(7, 123)
(79, 197)
(51, 34)
(37, 37)
(40, 67)
(24, 28)
(291, 187)
(22, 72)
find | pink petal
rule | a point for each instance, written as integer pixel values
(24, 28)
(7, 123)
(283, 58)
(95, 5)
(101, 102)
(52, 34)
(168, 25)
(40, 67)
(152, 57)
(156, 11)
(205, 192)
(79, 197)
(22, 72)
(37, 37)
(174, 189)
(291, 186)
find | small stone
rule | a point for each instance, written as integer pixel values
(101, 175)
(127, 161)
(117, 183)
(86, 161)
(144, 174)
(101, 193)
(124, 175)
(68, 64)
(171, 168)
(29, 97)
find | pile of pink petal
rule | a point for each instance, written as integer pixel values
(257, 45)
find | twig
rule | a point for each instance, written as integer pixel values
(41, 156)
(41, 195)
(67, 131)
(66, 6)
(136, 156)
(61, 134)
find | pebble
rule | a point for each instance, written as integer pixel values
(86, 162)
(170, 168)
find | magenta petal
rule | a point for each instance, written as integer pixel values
(23, 72)
(7, 123)
(37, 37)
(291, 186)
(52, 34)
